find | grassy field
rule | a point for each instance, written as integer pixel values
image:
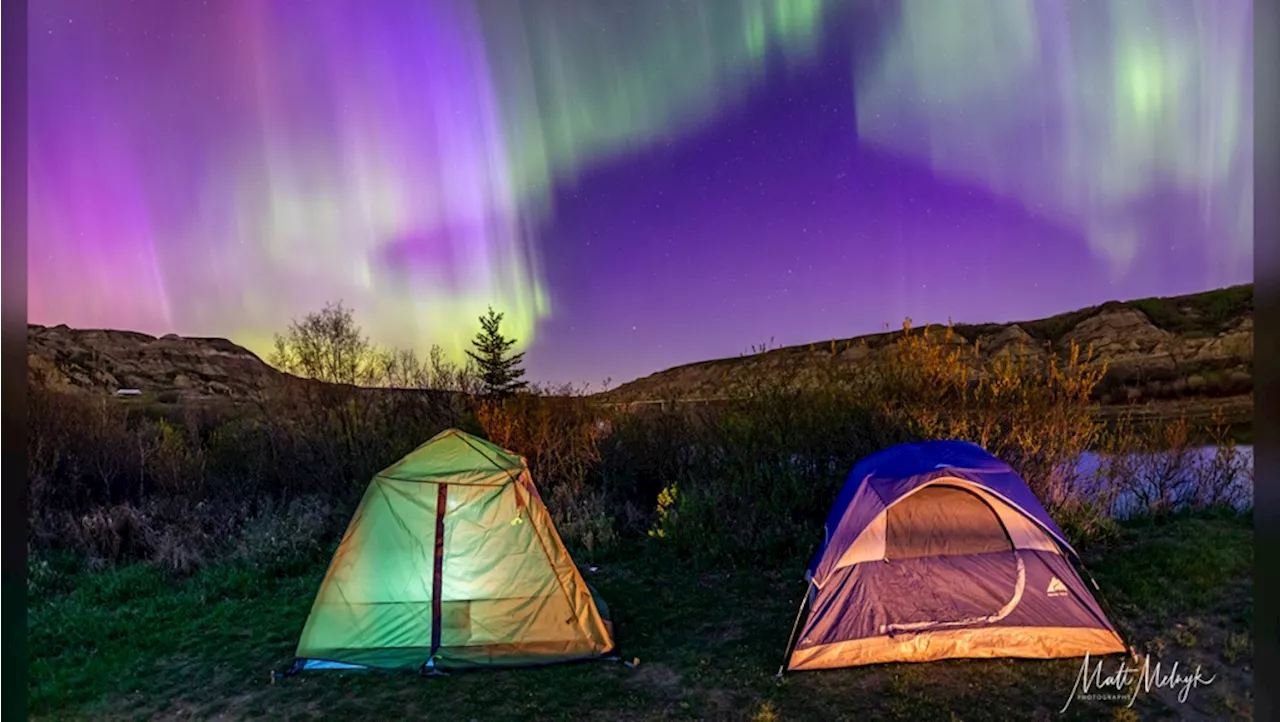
(137, 643)
(174, 559)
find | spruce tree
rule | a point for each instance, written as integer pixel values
(499, 373)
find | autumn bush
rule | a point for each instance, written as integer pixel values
(756, 475)
(1160, 469)
(558, 431)
(750, 477)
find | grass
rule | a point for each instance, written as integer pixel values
(135, 642)
(239, 513)
(1201, 314)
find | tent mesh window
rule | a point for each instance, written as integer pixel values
(941, 520)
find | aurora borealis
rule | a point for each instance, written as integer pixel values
(635, 184)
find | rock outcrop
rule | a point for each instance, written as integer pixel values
(1154, 349)
(183, 367)
(1012, 340)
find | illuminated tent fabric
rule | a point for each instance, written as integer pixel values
(939, 550)
(452, 561)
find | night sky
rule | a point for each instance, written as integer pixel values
(635, 184)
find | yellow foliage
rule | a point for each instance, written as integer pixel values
(667, 499)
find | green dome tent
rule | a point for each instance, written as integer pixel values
(452, 561)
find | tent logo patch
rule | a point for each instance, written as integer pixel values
(1056, 588)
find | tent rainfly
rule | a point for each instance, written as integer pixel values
(939, 550)
(451, 561)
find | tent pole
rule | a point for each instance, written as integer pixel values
(794, 627)
(1106, 609)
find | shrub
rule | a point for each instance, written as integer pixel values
(176, 465)
(1158, 469)
(644, 450)
(84, 445)
(558, 431)
(756, 474)
(176, 549)
(282, 535)
(1033, 412)
(747, 478)
(1223, 479)
(667, 513)
(110, 535)
(587, 525)
(558, 435)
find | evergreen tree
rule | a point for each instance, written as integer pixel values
(499, 373)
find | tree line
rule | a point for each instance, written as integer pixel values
(328, 345)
